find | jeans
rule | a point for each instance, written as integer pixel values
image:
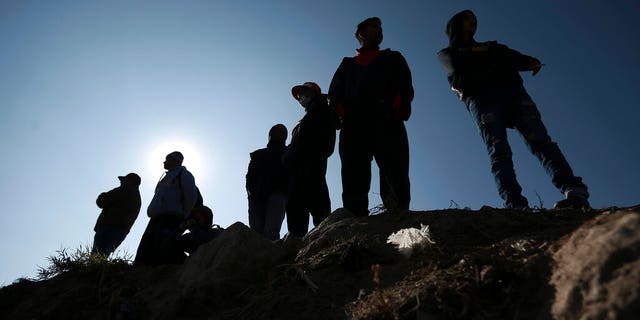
(266, 217)
(107, 239)
(498, 109)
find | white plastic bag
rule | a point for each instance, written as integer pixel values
(410, 238)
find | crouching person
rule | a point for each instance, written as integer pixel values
(201, 229)
(120, 208)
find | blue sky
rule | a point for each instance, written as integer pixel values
(91, 90)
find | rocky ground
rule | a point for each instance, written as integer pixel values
(486, 264)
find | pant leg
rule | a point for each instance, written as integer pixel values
(320, 202)
(297, 209)
(274, 215)
(256, 215)
(488, 112)
(107, 239)
(528, 122)
(392, 156)
(355, 156)
(159, 242)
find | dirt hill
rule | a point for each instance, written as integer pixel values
(486, 264)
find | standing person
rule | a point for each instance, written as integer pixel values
(120, 208)
(485, 77)
(174, 197)
(312, 142)
(267, 185)
(372, 94)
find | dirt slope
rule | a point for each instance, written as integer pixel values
(486, 264)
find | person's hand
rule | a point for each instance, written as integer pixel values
(535, 65)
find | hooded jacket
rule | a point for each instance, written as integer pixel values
(313, 139)
(478, 66)
(120, 207)
(175, 194)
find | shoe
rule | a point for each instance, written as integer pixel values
(517, 202)
(575, 198)
(573, 203)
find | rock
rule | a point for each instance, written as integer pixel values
(237, 255)
(597, 273)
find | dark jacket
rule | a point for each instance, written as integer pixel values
(478, 66)
(120, 207)
(367, 91)
(266, 173)
(313, 139)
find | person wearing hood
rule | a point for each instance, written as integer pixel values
(485, 76)
(174, 197)
(266, 183)
(372, 94)
(120, 207)
(312, 143)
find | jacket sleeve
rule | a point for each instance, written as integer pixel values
(405, 86)
(252, 177)
(107, 199)
(452, 69)
(515, 59)
(336, 90)
(189, 192)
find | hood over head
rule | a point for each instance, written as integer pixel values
(454, 26)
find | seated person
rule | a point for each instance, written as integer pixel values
(201, 229)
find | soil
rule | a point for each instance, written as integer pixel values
(485, 264)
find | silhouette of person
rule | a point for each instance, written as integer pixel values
(312, 142)
(372, 94)
(485, 76)
(120, 208)
(201, 229)
(174, 197)
(267, 185)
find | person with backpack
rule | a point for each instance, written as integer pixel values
(201, 229)
(120, 208)
(174, 197)
(266, 183)
(485, 76)
(312, 143)
(372, 94)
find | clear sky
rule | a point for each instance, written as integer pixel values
(90, 90)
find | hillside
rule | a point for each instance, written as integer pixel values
(486, 264)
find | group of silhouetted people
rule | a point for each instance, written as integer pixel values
(368, 101)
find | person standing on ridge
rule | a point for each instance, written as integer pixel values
(174, 197)
(372, 94)
(120, 208)
(267, 185)
(312, 143)
(485, 76)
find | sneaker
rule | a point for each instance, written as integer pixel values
(575, 198)
(517, 202)
(573, 203)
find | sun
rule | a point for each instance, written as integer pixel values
(190, 151)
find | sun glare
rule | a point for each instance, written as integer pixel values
(192, 158)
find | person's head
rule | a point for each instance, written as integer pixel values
(369, 32)
(461, 27)
(305, 93)
(173, 159)
(278, 133)
(203, 216)
(130, 179)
